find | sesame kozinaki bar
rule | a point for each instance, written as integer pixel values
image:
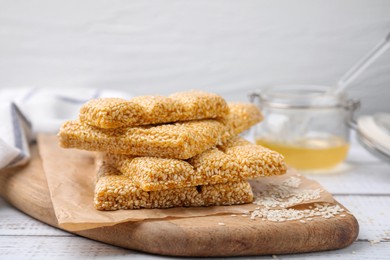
(150, 110)
(114, 191)
(181, 140)
(235, 160)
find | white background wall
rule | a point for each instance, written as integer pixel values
(226, 46)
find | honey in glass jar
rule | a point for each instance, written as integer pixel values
(306, 124)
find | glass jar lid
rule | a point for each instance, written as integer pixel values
(299, 96)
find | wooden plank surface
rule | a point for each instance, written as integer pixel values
(27, 238)
(78, 247)
(27, 190)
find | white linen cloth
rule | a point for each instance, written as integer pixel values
(27, 111)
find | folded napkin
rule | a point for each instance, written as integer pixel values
(27, 111)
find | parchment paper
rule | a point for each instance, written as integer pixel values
(71, 177)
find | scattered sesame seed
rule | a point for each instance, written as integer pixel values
(292, 182)
(233, 215)
(302, 221)
(221, 223)
(274, 257)
(373, 242)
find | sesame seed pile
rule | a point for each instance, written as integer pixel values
(285, 196)
(162, 152)
(277, 203)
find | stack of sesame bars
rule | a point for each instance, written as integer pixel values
(162, 152)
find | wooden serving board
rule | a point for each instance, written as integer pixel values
(26, 188)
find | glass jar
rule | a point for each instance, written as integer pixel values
(305, 123)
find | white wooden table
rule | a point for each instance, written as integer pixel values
(362, 185)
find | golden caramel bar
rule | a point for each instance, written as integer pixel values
(236, 160)
(150, 110)
(114, 191)
(181, 140)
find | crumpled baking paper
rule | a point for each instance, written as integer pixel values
(71, 177)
